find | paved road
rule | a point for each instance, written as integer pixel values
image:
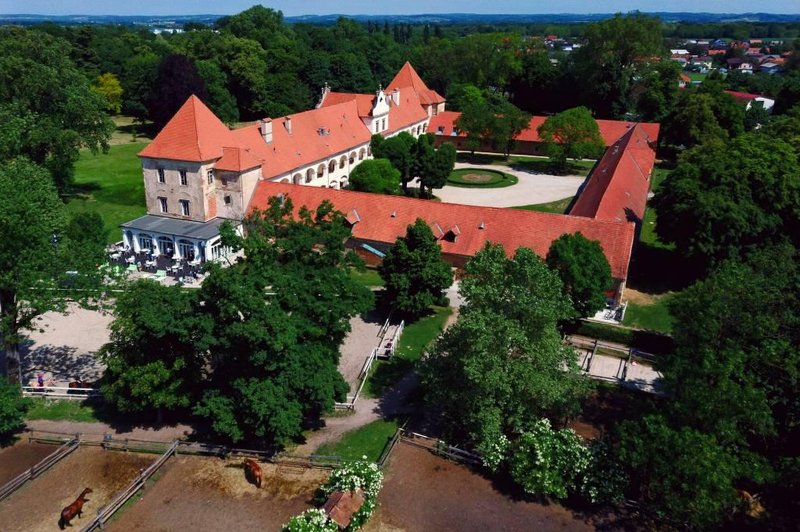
(531, 189)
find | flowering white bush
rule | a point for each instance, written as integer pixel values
(313, 520)
(548, 462)
(496, 453)
(354, 475)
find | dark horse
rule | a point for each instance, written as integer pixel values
(252, 471)
(69, 513)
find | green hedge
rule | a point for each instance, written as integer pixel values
(498, 180)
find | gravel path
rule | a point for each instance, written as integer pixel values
(358, 345)
(165, 433)
(532, 189)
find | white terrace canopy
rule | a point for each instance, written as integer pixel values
(178, 239)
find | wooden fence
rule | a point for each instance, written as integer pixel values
(441, 448)
(11, 486)
(60, 392)
(105, 513)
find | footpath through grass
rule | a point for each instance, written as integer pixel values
(367, 441)
(62, 410)
(416, 338)
(111, 185)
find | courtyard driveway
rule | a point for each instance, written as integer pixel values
(531, 189)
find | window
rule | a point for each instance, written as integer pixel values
(224, 182)
(377, 126)
(210, 175)
(145, 242)
(184, 207)
(227, 200)
(162, 204)
(184, 179)
(161, 175)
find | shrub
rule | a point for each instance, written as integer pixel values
(312, 520)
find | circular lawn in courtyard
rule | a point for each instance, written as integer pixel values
(480, 178)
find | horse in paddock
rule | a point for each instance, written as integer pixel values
(252, 471)
(69, 513)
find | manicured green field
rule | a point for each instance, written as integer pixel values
(61, 410)
(554, 207)
(653, 317)
(533, 164)
(480, 178)
(648, 234)
(415, 340)
(367, 441)
(111, 185)
(369, 277)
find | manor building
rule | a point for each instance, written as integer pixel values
(198, 173)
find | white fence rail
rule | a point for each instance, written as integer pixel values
(60, 392)
(11, 486)
(105, 513)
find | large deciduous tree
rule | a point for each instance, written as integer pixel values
(48, 111)
(177, 79)
(611, 58)
(12, 410)
(502, 365)
(723, 200)
(36, 254)
(397, 150)
(584, 271)
(414, 272)
(108, 86)
(704, 114)
(279, 316)
(377, 176)
(571, 134)
(433, 166)
(155, 358)
(489, 118)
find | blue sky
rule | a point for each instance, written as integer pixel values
(352, 7)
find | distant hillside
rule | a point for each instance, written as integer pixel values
(442, 19)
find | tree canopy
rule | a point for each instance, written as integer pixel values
(488, 117)
(398, 150)
(502, 365)
(723, 200)
(584, 271)
(414, 272)
(377, 176)
(177, 79)
(571, 134)
(48, 110)
(155, 359)
(279, 316)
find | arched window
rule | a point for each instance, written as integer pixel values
(297, 179)
(309, 175)
(361, 153)
(342, 161)
(331, 167)
(352, 157)
(320, 171)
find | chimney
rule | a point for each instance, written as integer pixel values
(326, 89)
(287, 123)
(266, 130)
(396, 96)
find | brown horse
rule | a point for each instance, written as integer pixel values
(69, 513)
(252, 472)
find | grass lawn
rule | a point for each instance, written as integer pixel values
(110, 184)
(416, 338)
(534, 164)
(61, 410)
(480, 178)
(368, 441)
(653, 317)
(648, 234)
(555, 207)
(369, 277)
(696, 76)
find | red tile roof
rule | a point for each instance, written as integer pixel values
(365, 102)
(610, 130)
(384, 218)
(618, 186)
(341, 505)
(193, 134)
(408, 77)
(316, 135)
(744, 96)
(236, 160)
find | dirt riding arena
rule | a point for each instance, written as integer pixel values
(200, 493)
(423, 492)
(37, 505)
(17, 458)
